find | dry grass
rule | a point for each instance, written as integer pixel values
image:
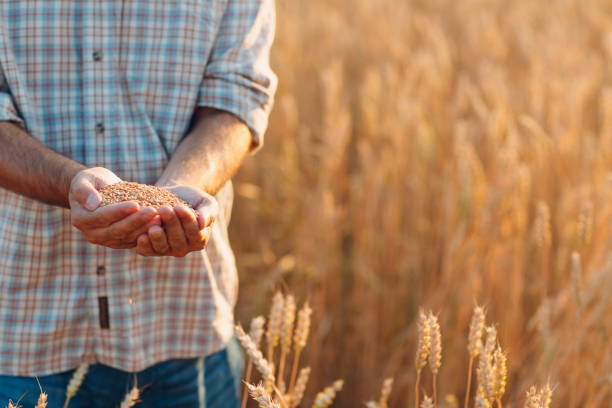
(438, 152)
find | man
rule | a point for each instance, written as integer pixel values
(167, 92)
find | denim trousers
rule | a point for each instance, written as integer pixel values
(210, 382)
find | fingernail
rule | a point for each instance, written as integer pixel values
(92, 202)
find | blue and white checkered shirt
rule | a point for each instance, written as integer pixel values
(115, 84)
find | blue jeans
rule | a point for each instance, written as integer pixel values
(210, 382)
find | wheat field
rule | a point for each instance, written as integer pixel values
(439, 153)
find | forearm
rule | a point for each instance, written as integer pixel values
(30, 168)
(211, 154)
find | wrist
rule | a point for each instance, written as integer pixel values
(69, 174)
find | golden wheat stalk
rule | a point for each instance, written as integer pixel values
(435, 353)
(300, 387)
(255, 333)
(274, 324)
(263, 366)
(75, 382)
(325, 398)
(474, 345)
(300, 338)
(422, 352)
(286, 335)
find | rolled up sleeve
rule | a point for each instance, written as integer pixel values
(8, 111)
(238, 78)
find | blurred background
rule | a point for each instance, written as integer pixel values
(438, 153)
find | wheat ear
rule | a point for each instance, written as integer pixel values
(300, 387)
(75, 382)
(474, 345)
(385, 393)
(42, 398)
(435, 353)
(325, 398)
(286, 335)
(300, 338)
(499, 374)
(259, 394)
(533, 399)
(274, 324)
(546, 396)
(427, 402)
(422, 352)
(255, 332)
(262, 365)
(132, 397)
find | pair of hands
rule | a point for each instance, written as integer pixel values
(164, 232)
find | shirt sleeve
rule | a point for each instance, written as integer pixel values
(8, 111)
(238, 78)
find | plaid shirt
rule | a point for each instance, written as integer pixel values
(114, 84)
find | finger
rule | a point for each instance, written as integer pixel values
(155, 221)
(158, 239)
(108, 215)
(207, 212)
(144, 247)
(190, 226)
(174, 230)
(205, 235)
(131, 226)
(103, 217)
(85, 193)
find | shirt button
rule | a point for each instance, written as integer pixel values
(100, 127)
(101, 270)
(97, 56)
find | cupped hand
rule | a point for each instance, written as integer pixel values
(183, 231)
(115, 226)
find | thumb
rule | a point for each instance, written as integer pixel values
(84, 192)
